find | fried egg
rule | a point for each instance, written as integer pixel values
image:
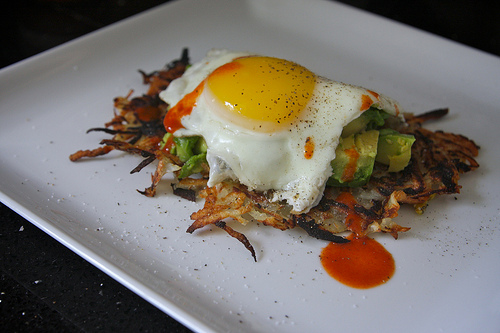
(269, 123)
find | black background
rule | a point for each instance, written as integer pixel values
(46, 287)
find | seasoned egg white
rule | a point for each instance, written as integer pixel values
(269, 123)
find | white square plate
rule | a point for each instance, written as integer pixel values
(448, 269)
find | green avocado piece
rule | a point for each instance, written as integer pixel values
(372, 118)
(186, 147)
(192, 151)
(193, 165)
(354, 159)
(355, 126)
(201, 146)
(394, 149)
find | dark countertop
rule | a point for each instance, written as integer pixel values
(46, 287)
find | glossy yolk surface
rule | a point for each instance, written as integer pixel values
(263, 89)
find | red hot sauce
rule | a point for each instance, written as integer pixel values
(361, 263)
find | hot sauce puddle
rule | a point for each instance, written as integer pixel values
(361, 263)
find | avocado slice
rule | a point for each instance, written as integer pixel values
(354, 159)
(193, 165)
(355, 126)
(394, 149)
(193, 152)
(372, 118)
(184, 147)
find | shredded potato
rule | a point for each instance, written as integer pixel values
(438, 160)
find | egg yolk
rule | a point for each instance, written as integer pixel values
(263, 89)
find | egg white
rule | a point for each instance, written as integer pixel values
(275, 161)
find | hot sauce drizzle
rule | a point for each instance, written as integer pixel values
(309, 148)
(172, 121)
(366, 102)
(397, 109)
(377, 96)
(350, 168)
(353, 221)
(363, 262)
